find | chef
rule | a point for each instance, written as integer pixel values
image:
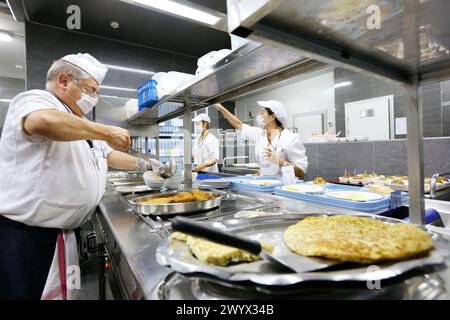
(275, 146)
(206, 146)
(53, 164)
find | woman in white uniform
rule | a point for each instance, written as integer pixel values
(275, 146)
(206, 146)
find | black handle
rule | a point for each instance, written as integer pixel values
(201, 230)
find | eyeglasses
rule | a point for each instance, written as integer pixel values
(89, 90)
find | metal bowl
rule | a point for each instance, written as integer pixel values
(172, 208)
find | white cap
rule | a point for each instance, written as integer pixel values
(202, 116)
(277, 108)
(88, 63)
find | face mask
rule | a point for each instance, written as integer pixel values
(260, 121)
(86, 103)
(198, 129)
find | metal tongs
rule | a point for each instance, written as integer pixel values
(168, 169)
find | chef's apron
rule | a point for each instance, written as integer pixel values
(26, 255)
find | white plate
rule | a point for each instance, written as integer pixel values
(264, 182)
(360, 196)
(304, 188)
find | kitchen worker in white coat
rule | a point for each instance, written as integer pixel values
(206, 146)
(53, 164)
(275, 146)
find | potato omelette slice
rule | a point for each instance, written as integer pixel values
(213, 253)
(356, 239)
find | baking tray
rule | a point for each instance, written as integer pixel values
(177, 255)
(367, 206)
(171, 208)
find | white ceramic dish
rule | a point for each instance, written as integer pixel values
(360, 196)
(304, 188)
(262, 182)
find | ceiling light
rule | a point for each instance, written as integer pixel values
(118, 88)
(343, 84)
(128, 69)
(5, 100)
(5, 36)
(11, 10)
(114, 24)
(115, 97)
(19, 67)
(180, 10)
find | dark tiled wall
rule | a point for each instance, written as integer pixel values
(436, 116)
(46, 44)
(330, 160)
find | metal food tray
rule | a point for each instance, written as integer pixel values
(427, 187)
(178, 256)
(171, 208)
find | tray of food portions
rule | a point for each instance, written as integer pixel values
(359, 247)
(396, 182)
(349, 197)
(256, 183)
(183, 202)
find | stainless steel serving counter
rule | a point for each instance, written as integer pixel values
(131, 242)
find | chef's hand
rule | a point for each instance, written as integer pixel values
(118, 138)
(272, 156)
(199, 167)
(150, 165)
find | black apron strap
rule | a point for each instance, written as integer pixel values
(26, 254)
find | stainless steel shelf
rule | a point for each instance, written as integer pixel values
(413, 39)
(250, 67)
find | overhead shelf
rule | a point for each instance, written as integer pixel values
(412, 39)
(248, 68)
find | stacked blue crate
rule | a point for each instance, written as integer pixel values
(147, 94)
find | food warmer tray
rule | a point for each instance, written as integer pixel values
(178, 256)
(171, 208)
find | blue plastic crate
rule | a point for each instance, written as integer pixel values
(204, 176)
(147, 94)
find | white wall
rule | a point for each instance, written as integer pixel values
(315, 93)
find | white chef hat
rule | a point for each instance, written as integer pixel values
(202, 116)
(277, 108)
(88, 63)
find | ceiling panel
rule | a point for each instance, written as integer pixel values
(137, 25)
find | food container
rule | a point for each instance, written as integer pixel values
(343, 179)
(174, 182)
(153, 180)
(171, 208)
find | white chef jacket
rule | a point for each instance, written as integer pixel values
(287, 145)
(207, 150)
(47, 183)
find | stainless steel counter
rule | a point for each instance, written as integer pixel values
(132, 242)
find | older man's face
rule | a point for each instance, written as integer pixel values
(88, 86)
(74, 88)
